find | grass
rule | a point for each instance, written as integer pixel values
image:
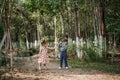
(104, 67)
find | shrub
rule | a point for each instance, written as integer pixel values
(34, 51)
(27, 53)
(71, 51)
(24, 53)
(91, 54)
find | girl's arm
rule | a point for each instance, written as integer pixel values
(50, 48)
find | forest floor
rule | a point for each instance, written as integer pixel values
(27, 70)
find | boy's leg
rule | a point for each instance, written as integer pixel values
(61, 59)
(65, 59)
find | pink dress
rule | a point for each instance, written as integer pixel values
(43, 56)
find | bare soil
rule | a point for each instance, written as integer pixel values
(28, 70)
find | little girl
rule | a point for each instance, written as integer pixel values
(43, 59)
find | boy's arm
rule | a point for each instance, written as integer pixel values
(60, 44)
(64, 48)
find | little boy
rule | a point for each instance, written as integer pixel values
(63, 53)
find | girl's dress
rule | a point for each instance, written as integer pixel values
(43, 56)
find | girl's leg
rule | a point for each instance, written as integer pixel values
(45, 67)
(40, 65)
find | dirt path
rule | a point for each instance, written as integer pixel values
(29, 71)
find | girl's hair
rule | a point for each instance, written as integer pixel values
(43, 42)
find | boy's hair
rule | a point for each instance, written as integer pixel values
(65, 40)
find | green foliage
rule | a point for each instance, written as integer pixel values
(113, 9)
(112, 18)
(24, 53)
(23, 24)
(27, 53)
(71, 51)
(54, 6)
(91, 54)
(34, 51)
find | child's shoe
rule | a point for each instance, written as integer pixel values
(66, 67)
(60, 68)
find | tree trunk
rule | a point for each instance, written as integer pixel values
(61, 20)
(27, 42)
(8, 9)
(56, 50)
(2, 9)
(3, 40)
(102, 6)
(79, 40)
(102, 27)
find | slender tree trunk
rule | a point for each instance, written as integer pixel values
(102, 6)
(79, 39)
(27, 42)
(3, 40)
(102, 3)
(56, 50)
(102, 27)
(38, 31)
(8, 10)
(61, 19)
(2, 9)
(94, 24)
(86, 22)
(38, 36)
